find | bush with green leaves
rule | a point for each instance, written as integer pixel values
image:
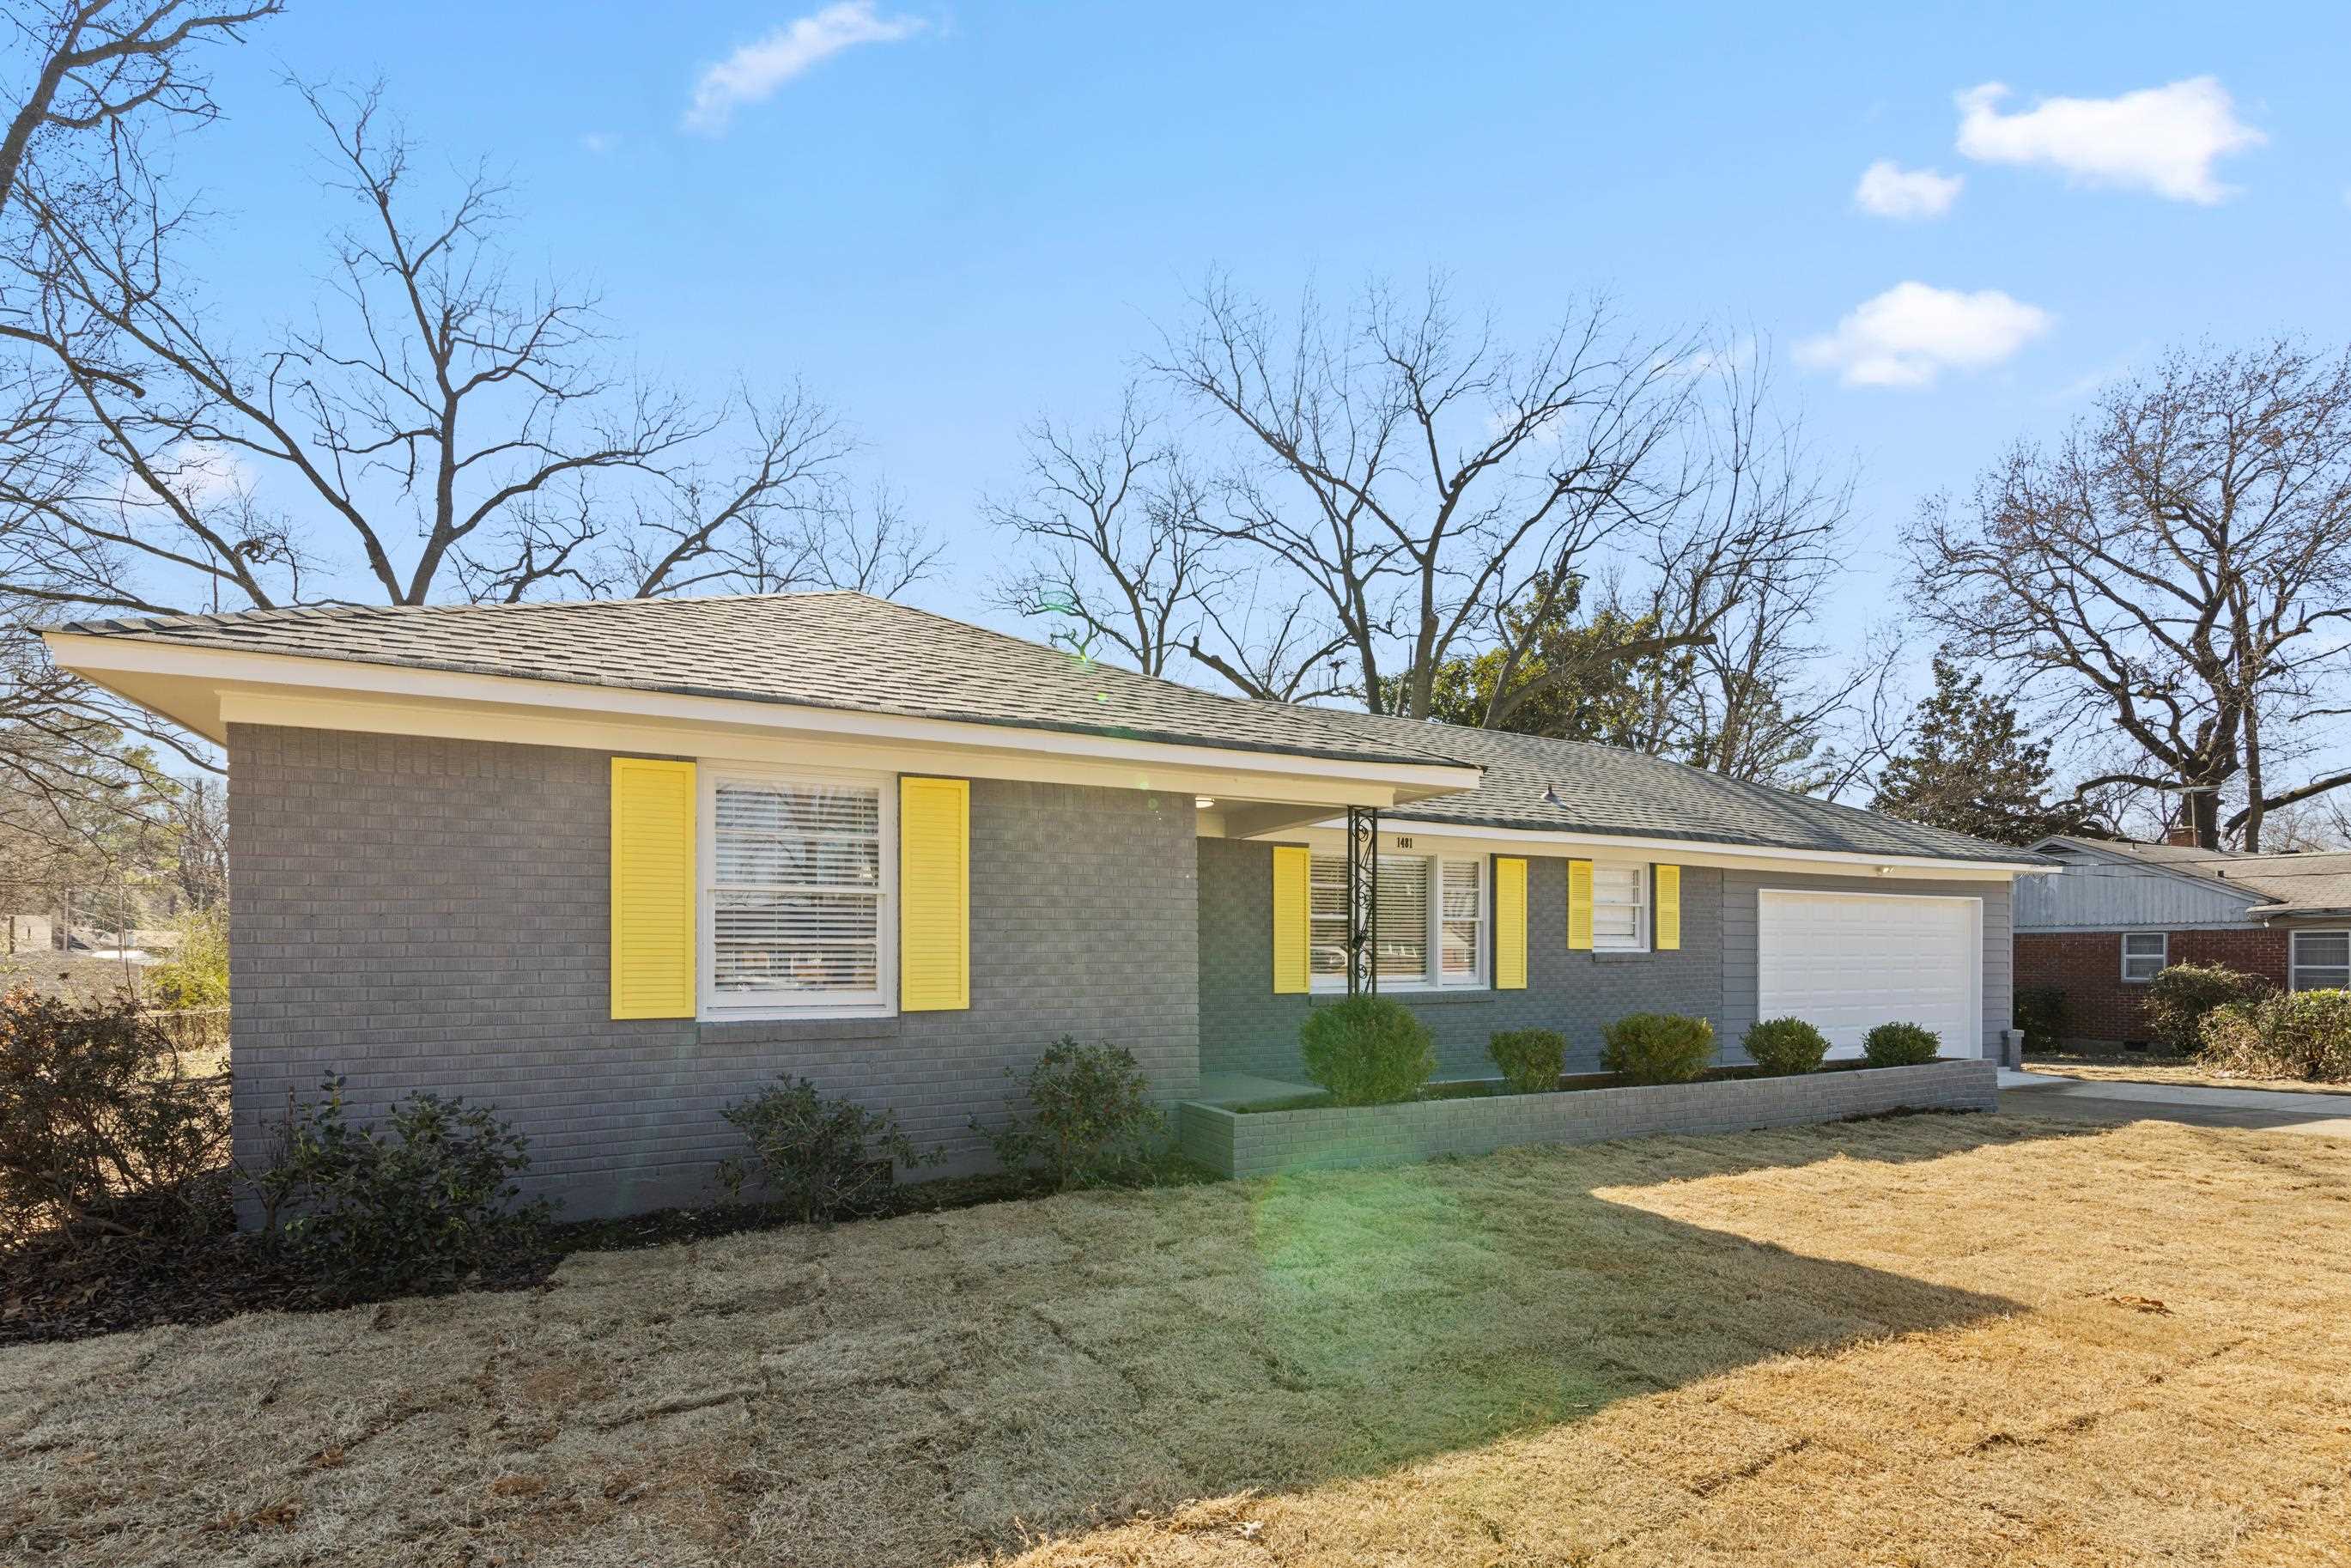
(1900, 1045)
(417, 1200)
(1367, 1051)
(1530, 1059)
(1657, 1048)
(1784, 1045)
(103, 1128)
(819, 1158)
(1090, 1120)
(2182, 994)
(2302, 1035)
(2040, 1012)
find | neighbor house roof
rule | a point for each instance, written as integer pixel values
(828, 650)
(1567, 786)
(851, 652)
(2291, 883)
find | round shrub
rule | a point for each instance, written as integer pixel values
(1367, 1051)
(2181, 994)
(1657, 1048)
(1092, 1118)
(2040, 1012)
(2295, 1034)
(1784, 1045)
(1531, 1059)
(1900, 1045)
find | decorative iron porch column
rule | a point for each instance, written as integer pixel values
(1363, 900)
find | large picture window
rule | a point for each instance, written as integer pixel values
(2321, 960)
(1431, 924)
(795, 875)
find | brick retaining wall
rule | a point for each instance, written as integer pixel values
(1267, 1142)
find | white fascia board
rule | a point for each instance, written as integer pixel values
(1679, 851)
(361, 695)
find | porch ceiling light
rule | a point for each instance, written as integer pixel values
(1204, 801)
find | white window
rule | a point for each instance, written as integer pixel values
(796, 888)
(2143, 955)
(1429, 930)
(2321, 960)
(1620, 907)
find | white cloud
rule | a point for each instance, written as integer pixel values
(1910, 334)
(600, 143)
(1890, 190)
(2162, 138)
(753, 73)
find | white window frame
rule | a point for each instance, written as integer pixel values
(1432, 977)
(754, 1006)
(2293, 959)
(1645, 912)
(2162, 955)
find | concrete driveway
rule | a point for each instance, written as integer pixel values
(2036, 1095)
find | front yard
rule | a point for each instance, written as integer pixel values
(1924, 1340)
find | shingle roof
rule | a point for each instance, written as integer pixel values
(833, 650)
(2286, 883)
(851, 652)
(1605, 790)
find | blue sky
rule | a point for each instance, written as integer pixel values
(947, 231)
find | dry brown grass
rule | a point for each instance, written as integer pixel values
(1929, 1340)
(2150, 1068)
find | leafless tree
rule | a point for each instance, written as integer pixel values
(1109, 538)
(1408, 474)
(2176, 569)
(432, 388)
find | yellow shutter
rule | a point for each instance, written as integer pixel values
(1670, 908)
(1292, 867)
(653, 875)
(1579, 906)
(934, 894)
(1510, 924)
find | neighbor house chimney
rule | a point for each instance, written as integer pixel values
(2182, 833)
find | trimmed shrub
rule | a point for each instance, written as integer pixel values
(2181, 994)
(2291, 1034)
(1657, 1048)
(1532, 1059)
(1784, 1045)
(1900, 1045)
(1092, 1118)
(418, 1201)
(2040, 1012)
(1367, 1051)
(820, 1159)
(102, 1127)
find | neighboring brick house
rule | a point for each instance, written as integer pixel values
(609, 866)
(2119, 914)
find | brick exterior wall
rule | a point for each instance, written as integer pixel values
(420, 914)
(1269, 1142)
(1246, 1028)
(2101, 1007)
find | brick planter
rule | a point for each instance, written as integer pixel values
(1270, 1141)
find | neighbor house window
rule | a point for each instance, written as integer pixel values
(1620, 908)
(795, 875)
(2321, 960)
(2143, 955)
(1430, 926)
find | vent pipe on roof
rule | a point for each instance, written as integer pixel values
(1551, 797)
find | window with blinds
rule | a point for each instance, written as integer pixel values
(1461, 938)
(1620, 907)
(1430, 928)
(794, 893)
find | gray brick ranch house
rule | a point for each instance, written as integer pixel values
(610, 866)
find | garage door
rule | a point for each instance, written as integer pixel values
(1847, 962)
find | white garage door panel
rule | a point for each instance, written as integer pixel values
(1847, 962)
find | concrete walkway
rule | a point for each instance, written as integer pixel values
(2106, 1100)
